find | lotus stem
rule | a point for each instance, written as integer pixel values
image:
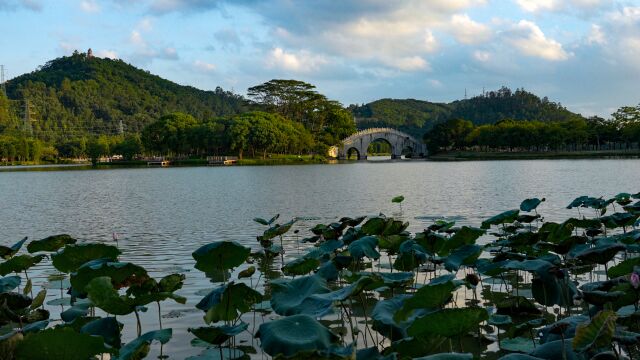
(159, 315)
(139, 326)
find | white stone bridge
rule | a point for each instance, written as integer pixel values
(399, 142)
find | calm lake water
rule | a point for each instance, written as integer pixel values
(164, 214)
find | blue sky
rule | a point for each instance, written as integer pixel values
(582, 53)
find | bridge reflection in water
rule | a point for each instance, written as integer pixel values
(360, 141)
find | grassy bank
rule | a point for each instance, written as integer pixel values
(285, 160)
(475, 155)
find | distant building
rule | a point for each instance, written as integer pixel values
(89, 53)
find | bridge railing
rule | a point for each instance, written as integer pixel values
(375, 131)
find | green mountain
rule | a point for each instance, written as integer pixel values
(79, 95)
(417, 116)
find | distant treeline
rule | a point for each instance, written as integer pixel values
(595, 133)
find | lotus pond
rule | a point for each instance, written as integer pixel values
(516, 286)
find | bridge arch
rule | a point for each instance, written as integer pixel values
(398, 140)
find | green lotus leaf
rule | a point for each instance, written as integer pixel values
(38, 300)
(597, 334)
(600, 254)
(383, 317)
(398, 199)
(352, 221)
(431, 296)
(517, 344)
(9, 283)
(392, 243)
(277, 230)
(624, 268)
(51, 243)
(301, 266)
(557, 349)
(59, 343)
(499, 320)
(365, 246)
(530, 204)
(431, 241)
(108, 328)
(411, 255)
(448, 322)
(619, 220)
(599, 298)
(15, 301)
(464, 255)
(220, 255)
(138, 348)
(506, 217)
(625, 337)
(288, 296)
(394, 227)
(226, 302)
(78, 310)
(293, 335)
(217, 335)
(19, 263)
(464, 236)
(71, 257)
(121, 274)
(447, 356)
(261, 221)
(247, 273)
(35, 326)
(374, 226)
(103, 295)
(7, 252)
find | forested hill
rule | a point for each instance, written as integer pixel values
(418, 116)
(79, 95)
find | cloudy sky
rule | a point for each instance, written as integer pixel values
(582, 53)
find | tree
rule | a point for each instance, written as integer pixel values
(129, 147)
(97, 147)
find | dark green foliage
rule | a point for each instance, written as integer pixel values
(51, 243)
(294, 334)
(59, 343)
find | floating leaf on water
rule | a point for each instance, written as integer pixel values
(294, 334)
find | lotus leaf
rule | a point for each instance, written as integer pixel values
(411, 255)
(557, 349)
(7, 252)
(518, 344)
(448, 322)
(530, 204)
(301, 266)
(431, 296)
(464, 236)
(465, 255)
(365, 246)
(600, 254)
(121, 274)
(51, 243)
(287, 296)
(59, 343)
(19, 263)
(398, 199)
(217, 335)
(138, 348)
(103, 295)
(447, 356)
(38, 300)
(226, 302)
(220, 255)
(79, 309)
(108, 328)
(383, 317)
(247, 273)
(506, 217)
(9, 283)
(597, 334)
(294, 334)
(71, 257)
(35, 326)
(374, 226)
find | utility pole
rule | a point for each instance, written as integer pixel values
(465, 93)
(121, 127)
(2, 86)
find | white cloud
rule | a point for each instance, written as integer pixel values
(482, 56)
(169, 53)
(300, 62)
(538, 5)
(110, 54)
(136, 39)
(89, 6)
(467, 31)
(596, 35)
(529, 39)
(204, 66)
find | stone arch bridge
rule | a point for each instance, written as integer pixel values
(359, 142)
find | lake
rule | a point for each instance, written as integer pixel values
(163, 214)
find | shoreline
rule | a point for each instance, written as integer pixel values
(586, 155)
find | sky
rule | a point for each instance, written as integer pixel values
(584, 54)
